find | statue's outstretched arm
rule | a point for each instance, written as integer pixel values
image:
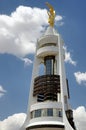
(49, 6)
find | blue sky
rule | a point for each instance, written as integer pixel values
(20, 26)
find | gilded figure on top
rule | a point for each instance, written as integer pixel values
(51, 14)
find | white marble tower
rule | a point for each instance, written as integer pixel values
(48, 107)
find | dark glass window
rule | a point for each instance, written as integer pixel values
(49, 112)
(49, 64)
(60, 113)
(38, 113)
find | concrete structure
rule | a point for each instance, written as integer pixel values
(49, 107)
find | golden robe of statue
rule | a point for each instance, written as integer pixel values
(51, 14)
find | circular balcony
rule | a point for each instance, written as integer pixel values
(47, 50)
(43, 105)
(48, 39)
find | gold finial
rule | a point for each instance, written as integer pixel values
(51, 14)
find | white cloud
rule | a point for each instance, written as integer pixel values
(20, 30)
(26, 61)
(59, 21)
(80, 77)
(58, 18)
(80, 118)
(15, 121)
(2, 91)
(68, 58)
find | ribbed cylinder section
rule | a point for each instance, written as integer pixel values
(48, 86)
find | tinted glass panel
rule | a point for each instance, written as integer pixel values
(38, 113)
(49, 64)
(50, 112)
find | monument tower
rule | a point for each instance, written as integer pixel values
(49, 107)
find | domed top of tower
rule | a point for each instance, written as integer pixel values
(50, 31)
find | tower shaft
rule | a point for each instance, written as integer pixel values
(48, 107)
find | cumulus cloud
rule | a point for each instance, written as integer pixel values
(80, 77)
(20, 30)
(2, 91)
(80, 118)
(15, 121)
(68, 58)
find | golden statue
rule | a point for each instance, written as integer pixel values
(51, 14)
